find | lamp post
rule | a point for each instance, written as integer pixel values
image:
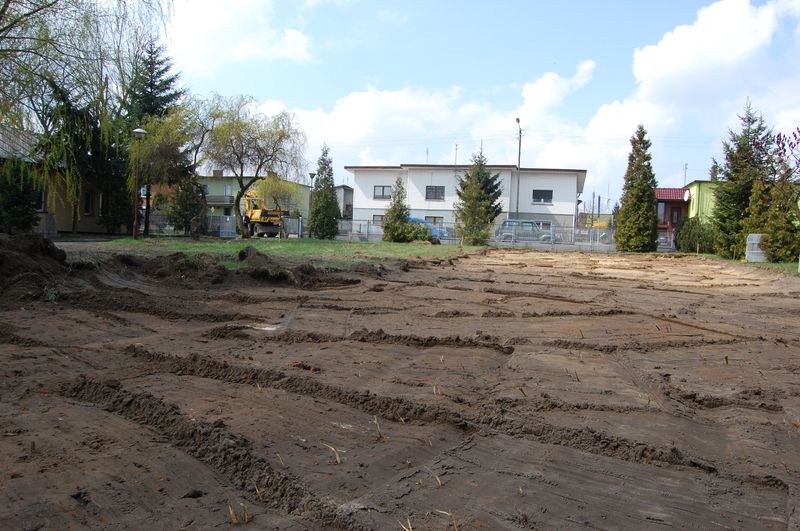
(138, 134)
(519, 160)
(310, 201)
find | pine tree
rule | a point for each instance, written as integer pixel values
(781, 240)
(324, 219)
(17, 213)
(472, 212)
(757, 208)
(153, 93)
(748, 156)
(154, 90)
(491, 186)
(478, 202)
(637, 226)
(395, 221)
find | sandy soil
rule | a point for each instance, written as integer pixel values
(511, 390)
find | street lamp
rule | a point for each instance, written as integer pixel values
(310, 200)
(519, 159)
(138, 134)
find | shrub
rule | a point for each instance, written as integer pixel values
(694, 234)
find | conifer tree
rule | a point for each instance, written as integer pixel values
(324, 218)
(395, 221)
(491, 187)
(637, 226)
(748, 156)
(757, 208)
(781, 239)
(153, 93)
(472, 212)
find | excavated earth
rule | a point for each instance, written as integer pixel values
(504, 390)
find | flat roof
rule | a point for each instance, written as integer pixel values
(580, 174)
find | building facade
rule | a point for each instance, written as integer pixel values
(547, 196)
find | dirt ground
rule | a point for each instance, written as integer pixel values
(507, 390)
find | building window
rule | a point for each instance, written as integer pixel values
(544, 225)
(40, 200)
(205, 189)
(88, 204)
(436, 220)
(434, 193)
(377, 219)
(228, 189)
(382, 192)
(227, 211)
(542, 196)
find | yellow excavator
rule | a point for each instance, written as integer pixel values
(262, 221)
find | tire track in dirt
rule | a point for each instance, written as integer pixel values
(364, 336)
(569, 344)
(491, 416)
(228, 453)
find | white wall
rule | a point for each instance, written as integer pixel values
(563, 184)
(564, 189)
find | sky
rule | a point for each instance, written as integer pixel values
(389, 83)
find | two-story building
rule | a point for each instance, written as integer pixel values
(547, 196)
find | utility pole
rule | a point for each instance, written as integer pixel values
(685, 167)
(519, 161)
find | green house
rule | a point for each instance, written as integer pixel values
(701, 199)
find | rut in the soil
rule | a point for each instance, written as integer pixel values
(492, 415)
(638, 346)
(229, 453)
(366, 336)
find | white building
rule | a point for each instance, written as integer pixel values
(548, 196)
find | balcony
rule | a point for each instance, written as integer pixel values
(220, 200)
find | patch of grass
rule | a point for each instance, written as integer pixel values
(331, 253)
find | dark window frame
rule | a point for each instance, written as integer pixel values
(432, 193)
(543, 194)
(377, 219)
(435, 220)
(383, 195)
(88, 203)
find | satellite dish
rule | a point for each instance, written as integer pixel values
(686, 195)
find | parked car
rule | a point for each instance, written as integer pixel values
(436, 232)
(511, 230)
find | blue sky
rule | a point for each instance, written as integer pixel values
(404, 82)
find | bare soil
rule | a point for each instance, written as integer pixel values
(506, 390)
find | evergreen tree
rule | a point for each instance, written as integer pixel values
(758, 205)
(324, 219)
(748, 157)
(153, 90)
(395, 221)
(478, 202)
(187, 209)
(491, 186)
(472, 212)
(17, 193)
(781, 240)
(637, 226)
(153, 93)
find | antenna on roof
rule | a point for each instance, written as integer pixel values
(426, 155)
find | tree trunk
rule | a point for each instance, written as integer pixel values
(240, 226)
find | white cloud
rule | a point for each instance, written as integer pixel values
(206, 34)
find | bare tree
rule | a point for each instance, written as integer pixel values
(252, 145)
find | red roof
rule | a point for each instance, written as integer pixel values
(669, 194)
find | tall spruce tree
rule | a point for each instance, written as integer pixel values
(395, 221)
(153, 93)
(478, 202)
(637, 225)
(781, 240)
(748, 158)
(324, 219)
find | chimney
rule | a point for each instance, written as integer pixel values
(216, 173)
